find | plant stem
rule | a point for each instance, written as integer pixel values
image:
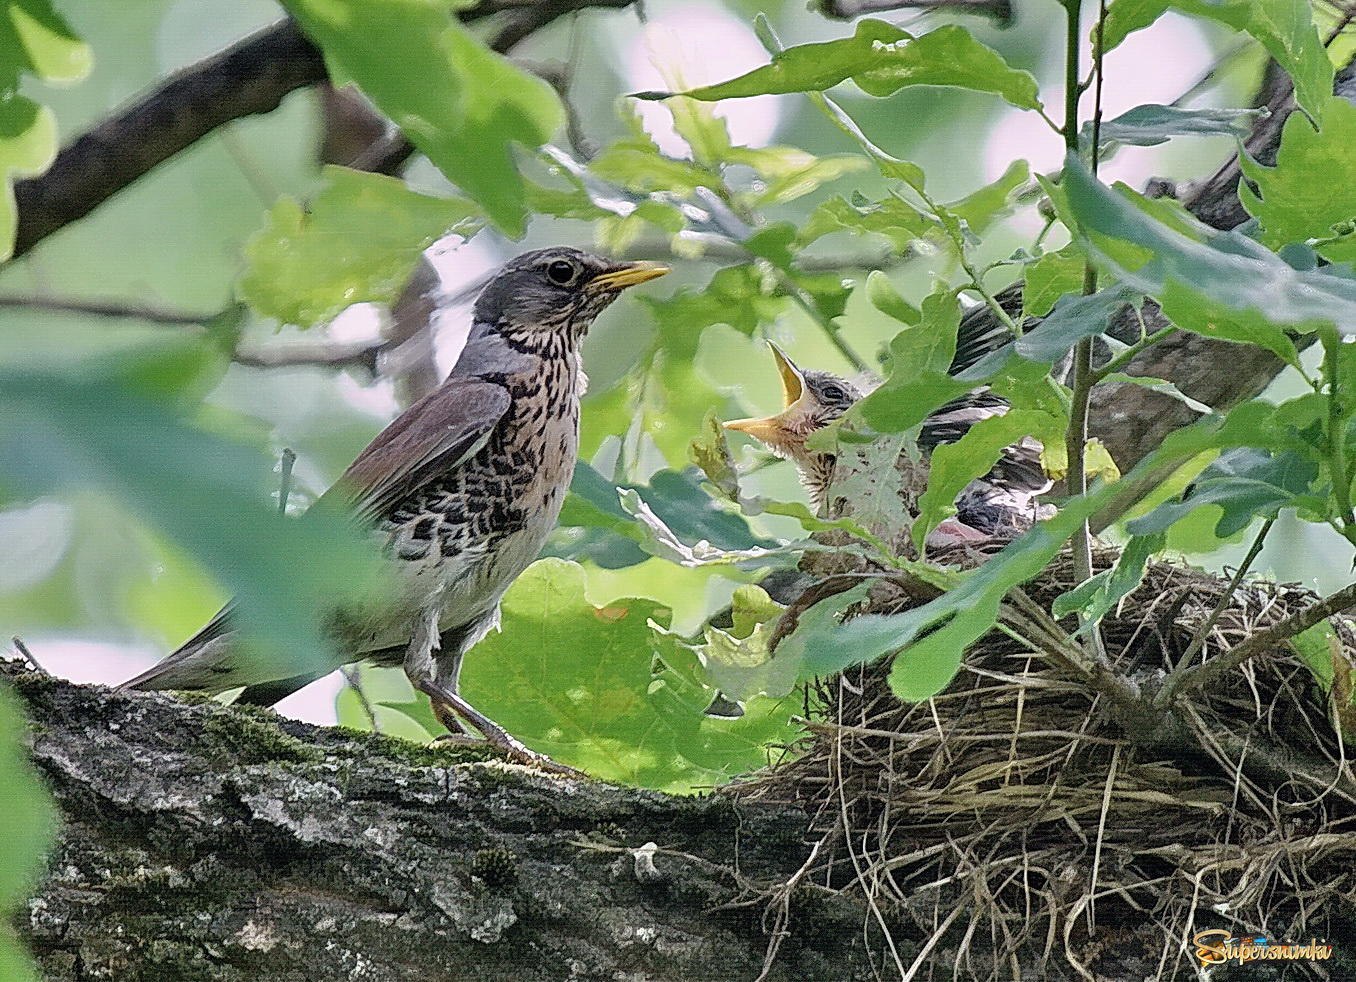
(830, 330)
(1128, 355)
(1084, 378)
(1075, 438)
(1203, 632)
(285, 478)
(976, 277)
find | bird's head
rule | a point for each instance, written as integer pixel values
(810, 401)
(556, 292)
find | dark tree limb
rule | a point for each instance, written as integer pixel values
(200, 842)
(251, 77)
(999, 10)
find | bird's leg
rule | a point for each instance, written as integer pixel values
(448, 704)
(420, 663)
(495, 735)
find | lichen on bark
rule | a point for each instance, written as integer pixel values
(203, 841)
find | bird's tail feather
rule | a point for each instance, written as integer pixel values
(203, 663)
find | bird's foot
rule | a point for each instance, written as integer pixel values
(459, 739)
(449, 703)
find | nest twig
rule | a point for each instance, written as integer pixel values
(1022, 827)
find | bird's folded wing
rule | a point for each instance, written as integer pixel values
(981, 333)
(430, 438)
(953, 420)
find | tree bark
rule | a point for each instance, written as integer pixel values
(202, 841)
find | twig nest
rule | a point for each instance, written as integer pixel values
(1019, 824)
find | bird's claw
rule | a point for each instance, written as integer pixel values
(510, 748)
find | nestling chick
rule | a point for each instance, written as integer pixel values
(1002, 503)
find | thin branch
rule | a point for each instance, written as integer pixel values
(1203, 632)
(999, 10)
(1202, 676)
(27, 655)
(359, 354)
(1122, 359)
(122, 309)
(362, 354)
(831, 330)
(354, 681)
(252, 76)
(285, 464)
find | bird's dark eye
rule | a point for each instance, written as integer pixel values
(834, 393)
(561, 271)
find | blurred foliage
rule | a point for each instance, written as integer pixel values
(137, 470)
(356, 241)
(29, 824)
(34, 41)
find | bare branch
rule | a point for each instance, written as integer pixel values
(27, 655)
(121, 309)
(361, 354)
(251, 77)
(999, 10)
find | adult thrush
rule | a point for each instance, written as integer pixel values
(999, 504)
(460, 492)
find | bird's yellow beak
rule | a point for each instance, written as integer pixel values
(769, 429)
(626, 274)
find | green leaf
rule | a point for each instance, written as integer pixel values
(885, 298)
(577, 682)
(1319, 648)
(87, 429)
(1312, 188)
(1150, 125)
(918, 381)
(881, 59)
(1075, 317)
(710, 451)
(357, 242)
(889, 165)
(739, 662)
(1285, 28)
(868, 479)
(459, 103)
(30, 824)
(28, 145)
(982, 208)
(1219, 284)
(954, 465)
(891, 217)
(638, 165)
(740, 296)
(675, 501)
(34, 41)
(397, 710)
(1094, 598)
(791, 173)
(660, 539)
(1163, 386)
(1247, 483)
(750, 607)
(1051, 277)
